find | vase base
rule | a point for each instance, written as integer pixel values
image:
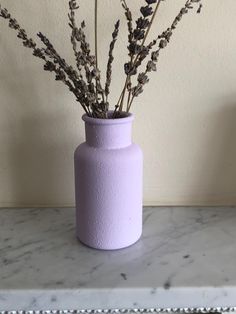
(108, 248)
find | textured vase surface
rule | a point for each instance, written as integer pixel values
(108, 184)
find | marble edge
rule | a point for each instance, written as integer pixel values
(138, 310)
(87, 300)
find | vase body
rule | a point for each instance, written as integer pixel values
(108, 185)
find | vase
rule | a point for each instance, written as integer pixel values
(108, 184)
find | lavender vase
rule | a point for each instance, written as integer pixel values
(108, 185)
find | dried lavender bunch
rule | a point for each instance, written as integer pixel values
(138, 50)
(53, 62)
(87, 63)
(85, 81)
(60, 74)
(162, 40)
(62, 71)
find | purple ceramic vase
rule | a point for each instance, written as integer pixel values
(108, 184)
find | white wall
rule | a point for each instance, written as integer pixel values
(185, 120)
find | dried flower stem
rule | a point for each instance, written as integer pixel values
(129, 18)
(51, 53)
(72, 7)
(87, 62)
(110, 60)
(142, 45)
(134, 62)
(96, 40)
(96, 31)
(151, 22)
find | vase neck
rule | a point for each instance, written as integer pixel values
(108, 134)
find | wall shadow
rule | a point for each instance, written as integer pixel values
(217, 165)
(36, 158)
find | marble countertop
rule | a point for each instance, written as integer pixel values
(186, 258)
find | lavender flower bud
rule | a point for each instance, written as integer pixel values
(137, 90)
(151, 66)
(130, 69)
(143, 78)
(155, 55)
(49, 66)
(151, 1)
(146, 11)
(163, 43)
(142, 23)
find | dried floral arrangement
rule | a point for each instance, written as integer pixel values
(85, 81)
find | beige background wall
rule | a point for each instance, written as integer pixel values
(185, 120)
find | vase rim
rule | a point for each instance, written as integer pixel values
(128, 117)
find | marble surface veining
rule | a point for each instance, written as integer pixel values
(185, 258)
